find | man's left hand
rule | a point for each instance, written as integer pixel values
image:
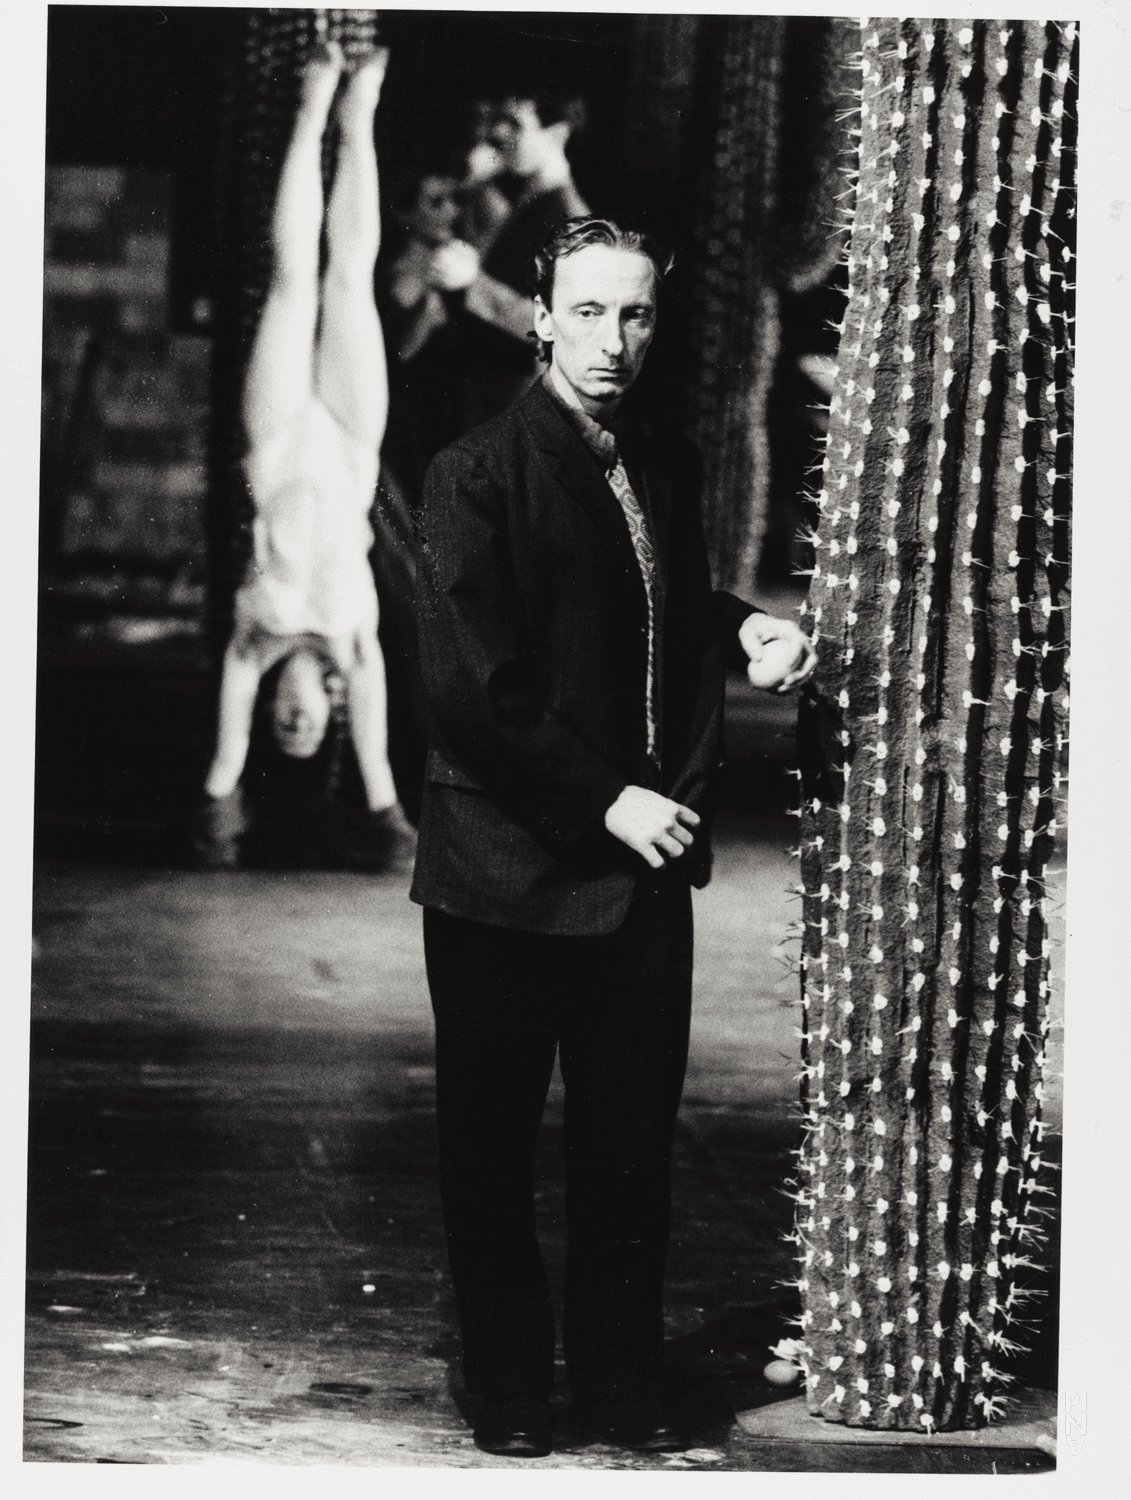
(781, 654)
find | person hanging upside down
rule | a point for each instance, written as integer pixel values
(314, 409)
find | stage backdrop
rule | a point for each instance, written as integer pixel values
(735, 144)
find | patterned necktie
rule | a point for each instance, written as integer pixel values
(646, 557)
(604, 444)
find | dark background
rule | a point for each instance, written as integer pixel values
(140, 87)
(125, 732)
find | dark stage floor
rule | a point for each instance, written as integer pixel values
(234, 1232)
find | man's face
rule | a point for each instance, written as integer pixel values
(600, 321)
(436, 209)
(519, 137)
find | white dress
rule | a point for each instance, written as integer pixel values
(313, 486)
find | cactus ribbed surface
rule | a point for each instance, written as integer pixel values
(929, 815)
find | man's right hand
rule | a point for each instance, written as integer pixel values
(654, 826)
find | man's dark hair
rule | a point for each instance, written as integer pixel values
(552, 105)
(574, 235)
(403, 185)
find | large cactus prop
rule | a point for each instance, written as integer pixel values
(932, 786)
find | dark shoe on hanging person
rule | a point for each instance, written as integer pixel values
(218, 824)
(515, 1429)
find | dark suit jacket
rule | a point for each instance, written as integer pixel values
(533, 624)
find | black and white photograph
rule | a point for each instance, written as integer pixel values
(542, 608)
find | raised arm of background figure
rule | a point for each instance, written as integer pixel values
(502, 307)
(410, 291)
(426, 317)
(417, 283)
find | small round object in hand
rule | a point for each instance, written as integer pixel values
(778, 658)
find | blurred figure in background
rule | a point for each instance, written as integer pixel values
(457, 307)
(432, 263)
(424, 318)
(315, 406)
(529, 133)
(486, 205)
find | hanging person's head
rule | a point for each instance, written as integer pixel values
(302, 703)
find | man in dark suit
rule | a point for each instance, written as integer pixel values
(573, 658)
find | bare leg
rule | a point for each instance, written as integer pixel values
(280, 370)
(393, 842)
(350, 376)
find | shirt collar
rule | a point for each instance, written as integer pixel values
(601, 440)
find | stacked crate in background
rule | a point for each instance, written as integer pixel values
(125, 414)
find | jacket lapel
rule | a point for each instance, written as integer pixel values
(576, 469)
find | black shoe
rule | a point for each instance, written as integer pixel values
(515, 1429)
(644, 1431)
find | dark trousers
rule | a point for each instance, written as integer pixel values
(619, 1007)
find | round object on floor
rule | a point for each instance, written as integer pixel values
(781, 1372)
